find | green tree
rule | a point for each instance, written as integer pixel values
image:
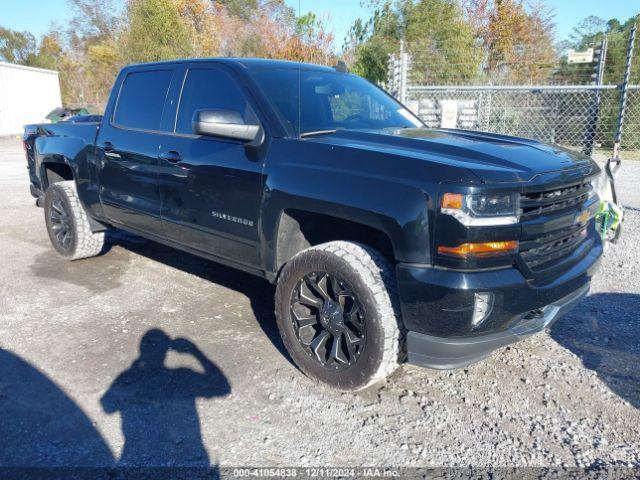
(369, 44)
(103, 61)
(441, 42)
(439, 39)
(618, 38)
(155, 32)
(589, 33)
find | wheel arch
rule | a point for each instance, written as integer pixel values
(54, 170)
(391, 217)
(298, 228)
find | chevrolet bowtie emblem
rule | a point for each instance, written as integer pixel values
(582, 217)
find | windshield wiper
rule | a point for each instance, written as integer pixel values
(317, 132)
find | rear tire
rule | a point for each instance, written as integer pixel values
(68, 224)
(338, 315)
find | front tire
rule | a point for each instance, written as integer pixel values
(68, 224)
(337, 312)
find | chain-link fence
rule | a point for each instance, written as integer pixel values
(578, 117)
(631, 132)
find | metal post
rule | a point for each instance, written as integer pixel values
(595, 108)
(623, 95)
(391, 65)
(403, 73)
(393, 76)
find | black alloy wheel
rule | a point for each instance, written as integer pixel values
(68, 224)
(328, 320)
(61, 223)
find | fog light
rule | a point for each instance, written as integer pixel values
(482, 306)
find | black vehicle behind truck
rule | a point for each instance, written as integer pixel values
(386, 239)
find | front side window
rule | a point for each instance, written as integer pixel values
(142, 98)
(211, 89)
(314, 100)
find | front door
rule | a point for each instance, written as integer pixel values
(128, 146)
(211, 187)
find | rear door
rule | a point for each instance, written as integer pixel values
(211, 187)
(128, 145)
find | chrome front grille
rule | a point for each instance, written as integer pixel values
(554, 226)
(540, 252)
(549, 201)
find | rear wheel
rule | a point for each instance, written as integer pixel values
(337, 311)
(68, 224)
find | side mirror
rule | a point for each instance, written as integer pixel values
(225, 124)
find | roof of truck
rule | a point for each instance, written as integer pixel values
(247, 63)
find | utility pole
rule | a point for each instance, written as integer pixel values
(623, 95)
(595, 108)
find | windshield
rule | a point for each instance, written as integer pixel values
(309, 101)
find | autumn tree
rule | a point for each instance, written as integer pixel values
(49, 51)
(199, 18)
(274, 31)
(243, 9)
(517, 40)
(303, 39)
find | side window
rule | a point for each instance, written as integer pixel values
(211, 89)
(142, 99)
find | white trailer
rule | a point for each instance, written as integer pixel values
(27, 95)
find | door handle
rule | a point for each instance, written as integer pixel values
(171, 156)
(108, 147)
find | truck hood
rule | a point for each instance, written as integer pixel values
(490, 157)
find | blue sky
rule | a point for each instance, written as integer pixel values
(37, 15)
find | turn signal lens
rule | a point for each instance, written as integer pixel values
(452, 200)
(480, 249)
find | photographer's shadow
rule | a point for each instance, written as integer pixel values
(157, 404)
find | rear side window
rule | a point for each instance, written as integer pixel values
(211, 89)
(142, 98)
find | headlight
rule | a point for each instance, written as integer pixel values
(484, 209)
(598, 184)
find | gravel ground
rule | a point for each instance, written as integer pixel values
(74, 384)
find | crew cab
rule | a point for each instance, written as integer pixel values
(388, 241)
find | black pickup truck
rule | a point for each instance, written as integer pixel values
(387, 240)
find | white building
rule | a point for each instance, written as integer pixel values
(27, 95)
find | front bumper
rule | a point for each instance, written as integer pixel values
(437, 308)
(448, 353)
